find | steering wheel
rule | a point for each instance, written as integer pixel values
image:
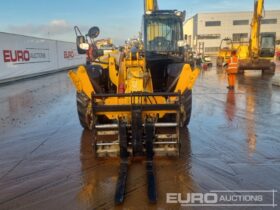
(160, 42)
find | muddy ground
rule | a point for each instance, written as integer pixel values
(47, 161)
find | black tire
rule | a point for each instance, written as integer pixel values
(85, 115)
(187, 108)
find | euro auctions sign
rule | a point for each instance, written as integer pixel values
(26, 56)
(225, 198)
(19, 55)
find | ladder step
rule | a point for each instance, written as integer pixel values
(166, 136)
(157, 125)
(104, 126)
(117, 143)
(107, 133)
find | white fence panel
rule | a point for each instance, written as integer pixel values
(21, 56)
(68, 55)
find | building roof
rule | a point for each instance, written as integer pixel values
(234, 12)
(228, 12)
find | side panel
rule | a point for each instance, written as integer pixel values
(68, 55)
(21, 56)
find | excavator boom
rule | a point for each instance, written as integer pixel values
(255, 28)
(150, 5)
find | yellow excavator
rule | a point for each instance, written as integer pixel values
(260, 51)
(136, 101)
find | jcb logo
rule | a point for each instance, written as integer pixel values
(16, 56)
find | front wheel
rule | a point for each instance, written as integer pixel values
(186, 108)
(85, 112)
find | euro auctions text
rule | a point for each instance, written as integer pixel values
(264, 198)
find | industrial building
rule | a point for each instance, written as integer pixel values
(204, 31)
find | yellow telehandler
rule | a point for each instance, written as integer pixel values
(136, 101)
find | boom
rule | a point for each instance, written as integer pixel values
(150, 5)
(255, 29)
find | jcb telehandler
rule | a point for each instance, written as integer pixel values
(136, 102)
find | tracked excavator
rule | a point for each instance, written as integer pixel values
(261, 49)
(137, 101)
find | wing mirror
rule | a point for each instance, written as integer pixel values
(81, 42)
(93, 32)
(84, 46)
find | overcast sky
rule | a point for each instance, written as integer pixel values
(118, 19)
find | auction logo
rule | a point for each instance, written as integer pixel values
(16, 55)
(69, 54)
(244, 198)
(25, 56)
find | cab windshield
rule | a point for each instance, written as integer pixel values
(162, 35)
(267, 46)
